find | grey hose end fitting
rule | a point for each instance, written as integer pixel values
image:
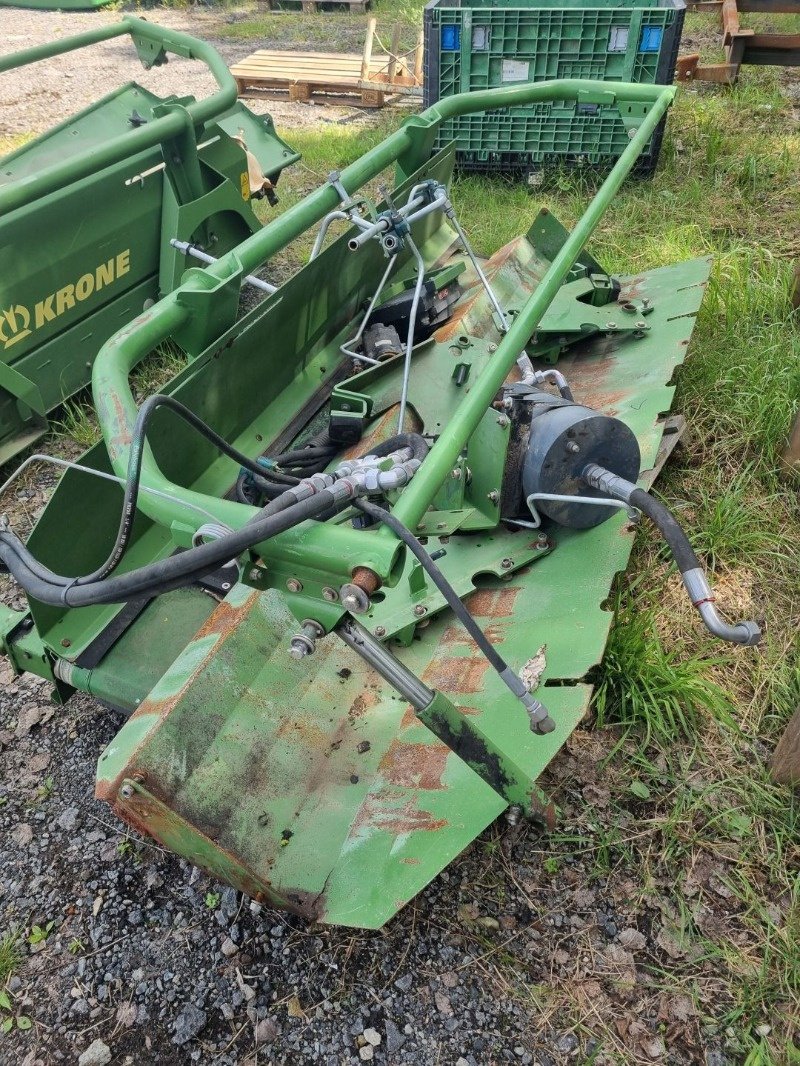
(539, 716)
(748, 634)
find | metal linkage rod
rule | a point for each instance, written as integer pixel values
(197, 253)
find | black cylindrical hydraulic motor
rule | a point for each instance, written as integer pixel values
(564, 438)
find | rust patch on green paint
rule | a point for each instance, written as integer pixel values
(493, 603)
(414, 765)
(377, 813)
(455, 635)
(457, 673)
(147, 815)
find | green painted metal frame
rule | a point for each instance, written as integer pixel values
(208, 299)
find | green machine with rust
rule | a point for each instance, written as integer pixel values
(97, 213)
(345, 575)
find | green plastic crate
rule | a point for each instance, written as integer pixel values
(481, 44)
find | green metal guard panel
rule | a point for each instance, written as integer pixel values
(474, 44)
(290, 780)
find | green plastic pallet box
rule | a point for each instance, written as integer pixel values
(480, 44)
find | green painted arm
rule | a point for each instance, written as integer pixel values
(151, 42)
(114, 400)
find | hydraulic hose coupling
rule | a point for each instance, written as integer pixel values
(700, 593)
(538, 714)
(604, 481)
(367, 477)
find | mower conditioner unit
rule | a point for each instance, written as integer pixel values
(88, 211)
(346, 574)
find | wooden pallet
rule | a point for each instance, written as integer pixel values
(312, 6)
(320, 77)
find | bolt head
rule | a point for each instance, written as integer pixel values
(420, 610)
(573, 447)
(380, 631)
(127, 792)
(507, 564)
(493, 496)
(254, 574)
(293, 585)
(492, 349)
(329, 594)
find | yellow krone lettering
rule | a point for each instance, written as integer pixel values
(67, 297)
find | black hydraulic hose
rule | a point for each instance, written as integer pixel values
(415, 441)
(541, 722)
(164, 574)
(138, 440)
(692, 573)
(673, 534)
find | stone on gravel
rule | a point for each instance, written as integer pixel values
(372, 1036)
(394, 1038)
(228, 947)
(366, 1052)
(96, 1054)
(68, 819)
(188, 1024)
(632, 939)
(266, 1031)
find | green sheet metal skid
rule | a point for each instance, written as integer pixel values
(87, 212)
(315, 718)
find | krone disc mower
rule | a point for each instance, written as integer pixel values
(95, 216)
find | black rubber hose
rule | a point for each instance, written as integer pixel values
(138, 439)
(437, 577)
(670, 528)
(415, 441)
(167, 573)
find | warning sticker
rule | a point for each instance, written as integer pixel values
(516, 70)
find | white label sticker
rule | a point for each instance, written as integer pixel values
(516, 70)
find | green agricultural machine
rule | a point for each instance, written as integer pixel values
(345, 576)
(88, 212)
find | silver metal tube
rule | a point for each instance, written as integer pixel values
(374, 230)
(345, 348)
(411, 324)
(535, 377)
(477, 267)
(381, 659)
(344, 216)
(67, 464)
(204, 257)
(702, 597)
(561, 498)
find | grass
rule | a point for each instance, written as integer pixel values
(11, 955)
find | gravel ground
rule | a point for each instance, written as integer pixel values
(54, 89)
(505, 958)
